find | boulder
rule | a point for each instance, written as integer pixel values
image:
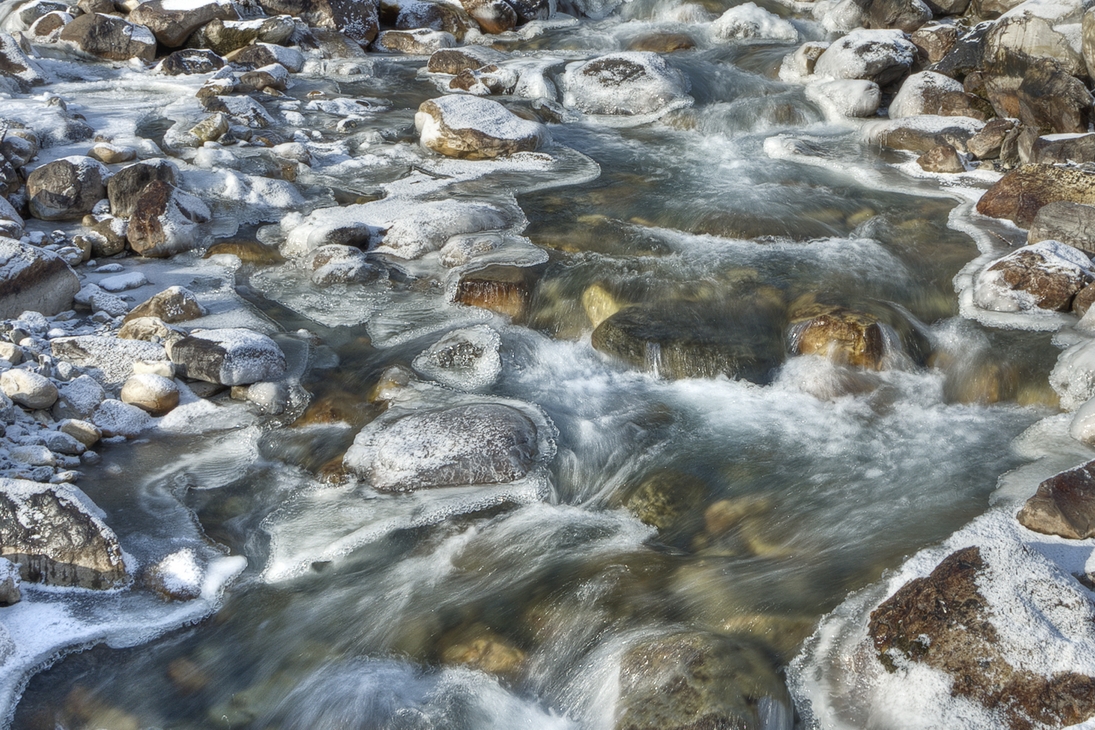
(449, 17)
(15, 64)
(845, 336)
(501, 288)
(932, 93)
(694, 679)
(945, 621)
(78, 400)
(110, 38)
(922, 133)
(1064, 505)
(109, 359)
(57, 536)
(224, 37)
(472, 128)
(154, 394)
(85, 432)
(904, 15)
(800, 64)
(28, 389)
(1051, 101)
(228, 357)
(695, 340)
(356, 19)
(166, 221)
(964, 57)
(191, 61)
(127, 184)
(747, 22)
(986, 144)
(1011, 45)
(1063, 149)
(465, 359)
(66, 189)
(335, 264)
(481, 443)
(1073, 224)
(625, 84)
(455, 60)
(493, 16)
(881, 56)
(1044, 275)
(259, 55)
(174, 304)
(418, 42)
(943, 159)
(935, 40)
(1087, 43)
(172, 22)
(1021, 193)
(846, 97)
(34, 279)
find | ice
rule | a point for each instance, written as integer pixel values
(465, 359)
(337, 305)
(852, 56)
(123, 282)
(629, 84)
(248, 356)
(1073, 377)
(992, 291)
(845, 98)
(748, 21)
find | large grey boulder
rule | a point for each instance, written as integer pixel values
(110, 38)
(127, 184)
(228, 356)
(15, 64)
(1014, 43)
(356, 19)
(33, 279)
(172, 23)
(1070, 223)
(66, 189)
(57, 536)
(166, 221)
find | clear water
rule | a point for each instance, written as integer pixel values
(842, 474)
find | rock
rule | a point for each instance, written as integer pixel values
(455, 60)
(846, 97)
(105, 233)
(85, 432)
(228, 357)
(127, 184)
(482, 443)
(486, 81)
(10, 593)
(55, 535)
(1021, 193)
(482, 649)
(78, 400)
(905, 15)
(500, 288)
(945, 622)
(115, 418)
(154, 394)
(335, 264)
(110, 38)
(920, 134)
(750, 22)
(1064, 505)
(1087, 44)
(662, 43)
(670, 501)
(358, 21)
(33, 279)
(109, 359)
(1073, 224)
(986, 144)
(224, 37)
(177, 577)
(163, 368)
(109, 154)
(274, 76)
(62, 443)
(626, 84)
(66, 189)
(935, 40)
(190, 61)
(247, 251)
(1073, 377)
(1014, 43)
(173, 23)
(941, 159)
(472, 128)
(932, 93)
(800, 64)
(493, 16)
(166, 221)
(10, 352)
(464, 359)
(1044, 275)
(881, 56)
(15, 64)
(28, 389)
(212, 128)
(1052, 101)
(699, 680)
(449, 17)
(1083, 300)
(845, 336)
(418, 42)
(174, 304)
(242, 109)
(694, 340)
(1063, 148)
(259, 55)
(599, 304)
(529, 10)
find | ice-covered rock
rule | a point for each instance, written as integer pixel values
(260, 55)
(15, 64)
(66, 189)
(472, 128)
(417, 42)
(34, 279)
(108, 359)
(356, 20)
(152, 393)
(335, 264)
(190, 61)
(466, 359)
(1044, 275)
(115, 418)
(882, 56)
(230, 356)
(28, 388)
(110, 38)
(223, 37)
(845, 98)
(78, 399)
(174, 304)
(927, 92)
(477, 443)
(176, 577)
(488, 80)
(166, 221)
(173, 22)
(628, 84)
(467, 58)
(10, 592)
(57, 536)
(493, 16)
(748, 21)
(123, 282)
(1073, 377)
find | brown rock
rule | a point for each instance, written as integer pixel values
(165, 221)
(1052, 101)
(127, 184)
(66, 189)
(906, 135)
(174, 304)
(472, 128)
(480, 648)
(1021, 193)
(356, 19)
(173, 25)
(1083, 300)
(1052, 286)
(935, 40)
(944, 621)
(499, 288)
(247, 251)
(985, 145)
(1069, 223)
(664, 43)
(1014, 43)
(493, 16)
(1064, 505)
(941, 158)
(844, 336)
(905, 15)
(1063, 149)
(455, 60)
(110, 38)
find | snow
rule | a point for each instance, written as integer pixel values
(248, 356)
(466, 359)
(854, 55)
(180, 573)
(845, 98)
(108, 359)
(629, 84)
(123, 282)
(909, 101)
(115, 418)
(751, 22)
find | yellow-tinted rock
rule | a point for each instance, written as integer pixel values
(845, 336)
(482, 649)
(725, 514)
(599, 304)
(248, 252)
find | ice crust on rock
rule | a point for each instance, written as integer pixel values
(472, 127)
(631, 83)
(749, 22)
(845, 98)
(1073, 377)
(992, 291)
(881, 56)
(466, 359)
(230, 356)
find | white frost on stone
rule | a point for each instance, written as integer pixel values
(845, 98)
(749, 22)
(1073, 377)
(115, 418)
(632, 83)
(248, 356)
(484, 116)
(854, 55)
(123, 282)
(910, 100)
(992, 292)
(466, 359)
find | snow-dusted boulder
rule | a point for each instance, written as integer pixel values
(230, 356)
(115, 418)
(750, 22)
(110, 38)
(626, 84)
(417, 42)
(845, 98)
(172, 22)
(66, 189)
(28, 389)
(34, 279)
(924, 93)
(465, 359)
(17, 65)
(882, 56)
(1073, 377)
(1041, 276)
(154, 394)
(473, 128)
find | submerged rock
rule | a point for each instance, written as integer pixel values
(699, 680)
(476, 129)
(57, 537)
(845, 336)
(500, 288)
(481, 443)
(1064, 505)
(626, 84)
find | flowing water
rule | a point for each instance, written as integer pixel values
(353, 604)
